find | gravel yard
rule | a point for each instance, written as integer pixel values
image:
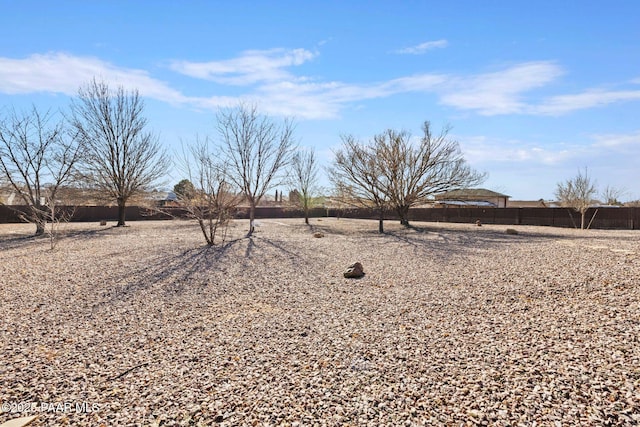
(452, 324)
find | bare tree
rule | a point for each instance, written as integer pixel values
(304, 178)
(208, 197)
(257, 151)
(57, 217)
(357, 177)
(611, 195)
(37, 156)
(413, 172)
(577, 193)
(394, 172)
(123, 158)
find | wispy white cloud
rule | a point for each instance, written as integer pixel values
(564, 104)
(250, 67)
(506, 92)
(482, 150)
(625, 141)
(64, 73)
(323, 100)
(268, 77)
(536, 167)
(485, 150)
(500, 92)
(417, 83)
(423, 47)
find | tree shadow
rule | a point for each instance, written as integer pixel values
(22, 239)
(86, 234)
(170, 272)
(250, 247)
(280, 247)
(540, 233)
(327, 227)
(322, 228)
(446, 241)
(175, 274)
(442, 247)
(15, 242)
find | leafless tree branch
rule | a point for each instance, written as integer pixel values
(304, 178)
(123, 158)
(577, 193)
(210, 198)
(393, 171)
(37, 156)
(357, 177)
(414, 172)
(256, 149)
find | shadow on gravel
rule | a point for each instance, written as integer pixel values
(255, 244)
(441, 242)
(23, 239)
(479, 238)
(85, 234)
(196, 269)
(169, 271)
(541, 232)
(441, 246)
(19, 241)
(15, 242)
(325, 229)
(329, 227)
(250, 247)
(175, 274)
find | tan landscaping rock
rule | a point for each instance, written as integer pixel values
(354, 271)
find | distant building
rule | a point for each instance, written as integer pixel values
(164, 198)
(472, 198)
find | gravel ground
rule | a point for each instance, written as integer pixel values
(452, 324)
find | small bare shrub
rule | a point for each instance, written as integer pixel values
(211, 199)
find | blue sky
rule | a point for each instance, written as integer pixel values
(533, 91)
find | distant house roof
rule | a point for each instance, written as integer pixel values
(469, 194)
(164, 196)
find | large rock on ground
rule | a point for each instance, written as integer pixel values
(354, 271)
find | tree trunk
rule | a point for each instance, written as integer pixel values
(403, 213)
(39, 218)
(381, 220)
(583, 212)
(121, 212)
(252, 216)
(204, 231)
(40, 227)
(306, 212)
